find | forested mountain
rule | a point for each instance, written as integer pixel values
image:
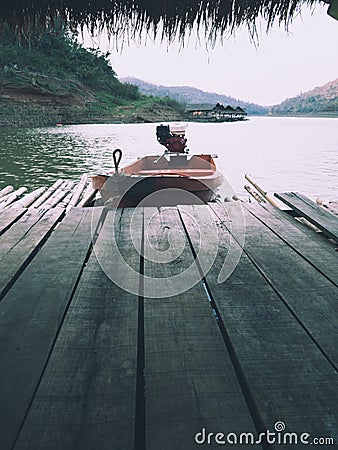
(192, 97)
(322, 100)
(52, 78)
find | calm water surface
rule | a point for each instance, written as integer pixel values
(282, 154)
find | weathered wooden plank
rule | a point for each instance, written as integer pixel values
(309, 295)
(86, 398)
(318, 216)
(8, 217)
(190, 382)
(22, 241)
(287, 374)
(314, 247)
(31, 314)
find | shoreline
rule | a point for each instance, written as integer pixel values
(30, 113)
(29, 123)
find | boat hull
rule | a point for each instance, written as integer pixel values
(141, 184)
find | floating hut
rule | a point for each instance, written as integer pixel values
(219, 113)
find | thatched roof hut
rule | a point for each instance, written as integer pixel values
(218, 113)
(240, 110)
(171, 18)
(229, 109)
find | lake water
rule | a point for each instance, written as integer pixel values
(282, 154)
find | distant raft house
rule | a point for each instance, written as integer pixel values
(218, 113)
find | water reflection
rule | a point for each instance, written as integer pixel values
(281, 153)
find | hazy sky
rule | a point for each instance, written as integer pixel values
(283, 65)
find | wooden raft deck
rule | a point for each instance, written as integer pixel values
(318, 216)
(87, 365)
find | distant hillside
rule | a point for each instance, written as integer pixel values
(192, 97)
(322, 100)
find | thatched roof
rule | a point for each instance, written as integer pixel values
(174, 18)
(240, 110)
(229, 109)
(218, 107)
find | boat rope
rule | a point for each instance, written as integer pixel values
(117, 156)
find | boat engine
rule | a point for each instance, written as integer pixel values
(173, 138)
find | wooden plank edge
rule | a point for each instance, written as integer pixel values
(312, 220)
(42, 240)
(13, 220)
(289, 244)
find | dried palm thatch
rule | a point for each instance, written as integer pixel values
(174, 18)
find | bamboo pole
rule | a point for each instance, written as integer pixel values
(12, 197)
(254, 194)
(88, 195)
(77, 193)
(53, 201)
(65, 201)
(47, 194)
(266, 196)
(70, 185)
(56, 197)
(6, 197)
(307, 223)
(6, 190)
(28, 199)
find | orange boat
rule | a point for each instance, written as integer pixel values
(173, 178)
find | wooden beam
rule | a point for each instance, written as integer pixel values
(31, 314)
(318, 216)
(86, 398)
(314, 247)
(190, 381)
(287, 375)
(305, 291)
(21, 243)
(8, 217)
